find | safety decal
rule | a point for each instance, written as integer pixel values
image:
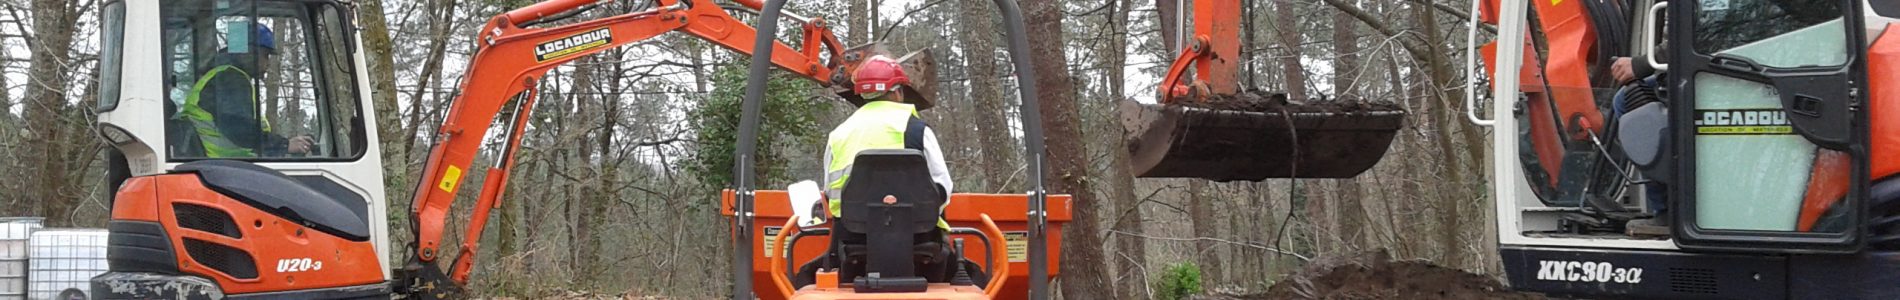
(771, 236)
(450, 178)
(1742, 122)
(1018, 244)
(572, 44)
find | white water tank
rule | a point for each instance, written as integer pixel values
(14, 233)
(63, 262)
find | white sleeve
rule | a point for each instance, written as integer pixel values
(825, 174)
(939, 173)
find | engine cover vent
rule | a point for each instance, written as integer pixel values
(230, 261)
(206, 219)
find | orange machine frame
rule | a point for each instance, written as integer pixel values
(773, 208)
(511, 60)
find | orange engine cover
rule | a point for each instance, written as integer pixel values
(243, 248)
(772, 208)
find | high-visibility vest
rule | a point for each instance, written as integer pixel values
(215, 144)
(876, 125)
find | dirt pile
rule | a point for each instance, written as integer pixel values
(1374, 275)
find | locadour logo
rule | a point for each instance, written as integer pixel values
(1742, 122)
(298, 265)
(572, 44)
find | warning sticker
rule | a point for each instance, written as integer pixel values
(1018, 243)
(1742, 122)
(771, 236)
(450, 178)
(572, 44)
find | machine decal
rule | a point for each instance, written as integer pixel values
(572, 44)
(298, 265)
(450, 178)
(1018, 243)
(770, 236)
(1576, 271)
(1742, 122)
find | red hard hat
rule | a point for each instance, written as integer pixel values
(878, 75)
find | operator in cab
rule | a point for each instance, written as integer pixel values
(223, 106)
(885, 121)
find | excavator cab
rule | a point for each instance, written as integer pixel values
(1205, 125)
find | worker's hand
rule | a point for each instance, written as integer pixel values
(301, 144)
(1620, 70)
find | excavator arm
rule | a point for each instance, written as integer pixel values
(1205, 126)
(507, 67)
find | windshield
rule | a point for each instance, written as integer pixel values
(259, 80)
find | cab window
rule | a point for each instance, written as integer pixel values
(259, 80)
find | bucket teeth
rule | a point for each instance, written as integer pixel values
(1300, 141)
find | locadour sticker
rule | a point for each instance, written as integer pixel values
(1742, 122)
(572, 44)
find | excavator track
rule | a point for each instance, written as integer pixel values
(1253, 137)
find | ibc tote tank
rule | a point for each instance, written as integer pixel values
(14, 233)
(63, 262)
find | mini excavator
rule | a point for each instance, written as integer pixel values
(1765, 140)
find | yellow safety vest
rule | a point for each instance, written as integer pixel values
(876, 125)
(216, 146)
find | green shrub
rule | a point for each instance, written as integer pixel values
(1178, 282)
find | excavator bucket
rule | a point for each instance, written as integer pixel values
(1253, 137)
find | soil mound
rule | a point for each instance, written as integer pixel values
(1374, 275)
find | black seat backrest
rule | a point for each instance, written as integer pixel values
(890, 172)
(884, 236)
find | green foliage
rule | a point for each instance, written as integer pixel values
(789, 116)
(1180, 281)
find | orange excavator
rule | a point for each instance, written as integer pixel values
(244, 165)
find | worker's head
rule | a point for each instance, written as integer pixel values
(880, 78)
(248, 43)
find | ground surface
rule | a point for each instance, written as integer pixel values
(1376, 276)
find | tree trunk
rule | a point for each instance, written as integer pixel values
(46, 105)
(1286, 28)
(382, 73)
(1068, 162)
(1133, 250)
(857, 23)
(1167, 11)
(1450, 216)
(1352, 220)
(1206, 220)
(999, 148)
